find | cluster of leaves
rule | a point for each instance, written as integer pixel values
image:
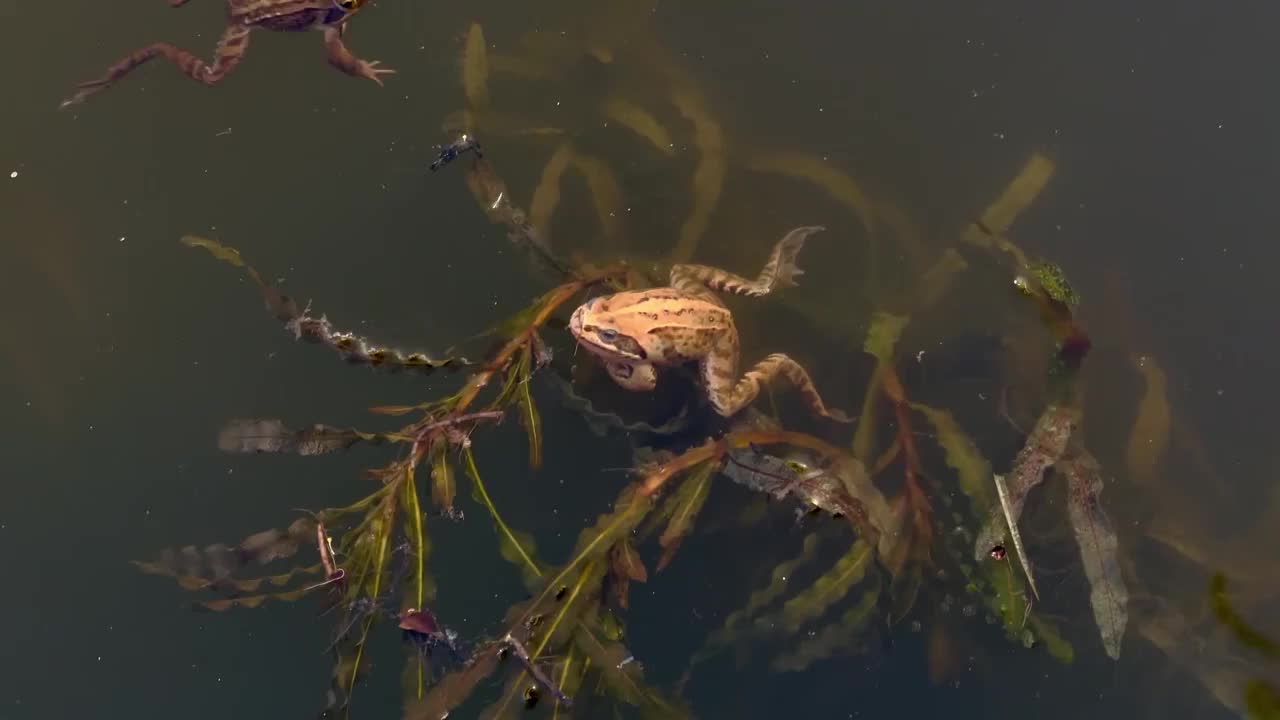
(371, 528)
(566, 640)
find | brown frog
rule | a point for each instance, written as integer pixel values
(634, 332)
(243, 16)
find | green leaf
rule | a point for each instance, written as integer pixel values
(529, 415)
(516, 547)
(686, 503)
(443, 486)
(218, 250)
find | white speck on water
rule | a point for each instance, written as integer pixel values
(13, 174)
(122, 238)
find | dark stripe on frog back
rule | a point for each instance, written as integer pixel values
(704, 338)
(687, 306)
(296, 20)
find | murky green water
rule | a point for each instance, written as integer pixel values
(124, 352)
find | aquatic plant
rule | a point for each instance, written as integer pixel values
(893, 532)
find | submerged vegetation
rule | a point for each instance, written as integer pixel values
(911, 506)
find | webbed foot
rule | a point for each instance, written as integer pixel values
(782, 269)
(368, 69)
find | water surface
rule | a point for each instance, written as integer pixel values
(125, 352)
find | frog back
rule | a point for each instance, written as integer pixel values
(285, 15)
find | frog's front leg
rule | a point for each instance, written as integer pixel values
(728, 397)
(638, 377)
(343, 59)
(230, 51)
(780, 271)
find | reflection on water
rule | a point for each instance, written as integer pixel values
(992, 296)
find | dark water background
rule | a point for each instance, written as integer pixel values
(123, 352)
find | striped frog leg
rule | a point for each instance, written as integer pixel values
(780, 271)
(728, 397)
(230, 51)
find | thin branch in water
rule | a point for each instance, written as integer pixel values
(518, 650)
(1002, 491)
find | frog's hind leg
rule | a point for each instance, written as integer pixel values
(729, 399)
(230, 51)
(780, 271)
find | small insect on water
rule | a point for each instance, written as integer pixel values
(449, 153)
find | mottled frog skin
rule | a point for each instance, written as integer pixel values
(634, 332)
(243, 16)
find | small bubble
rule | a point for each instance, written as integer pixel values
(13, 175)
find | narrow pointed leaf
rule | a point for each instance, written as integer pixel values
(686, 502)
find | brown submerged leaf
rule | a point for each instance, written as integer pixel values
(454, 688)
(268, 435)
(251, 601)
(685, 503)
(624, 566)
(1099, 547)
(196, 569)
(1044, 447)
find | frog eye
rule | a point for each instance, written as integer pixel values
(608, 334)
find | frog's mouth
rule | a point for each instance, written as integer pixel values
(584, 334)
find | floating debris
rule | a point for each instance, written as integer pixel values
(449, 153)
